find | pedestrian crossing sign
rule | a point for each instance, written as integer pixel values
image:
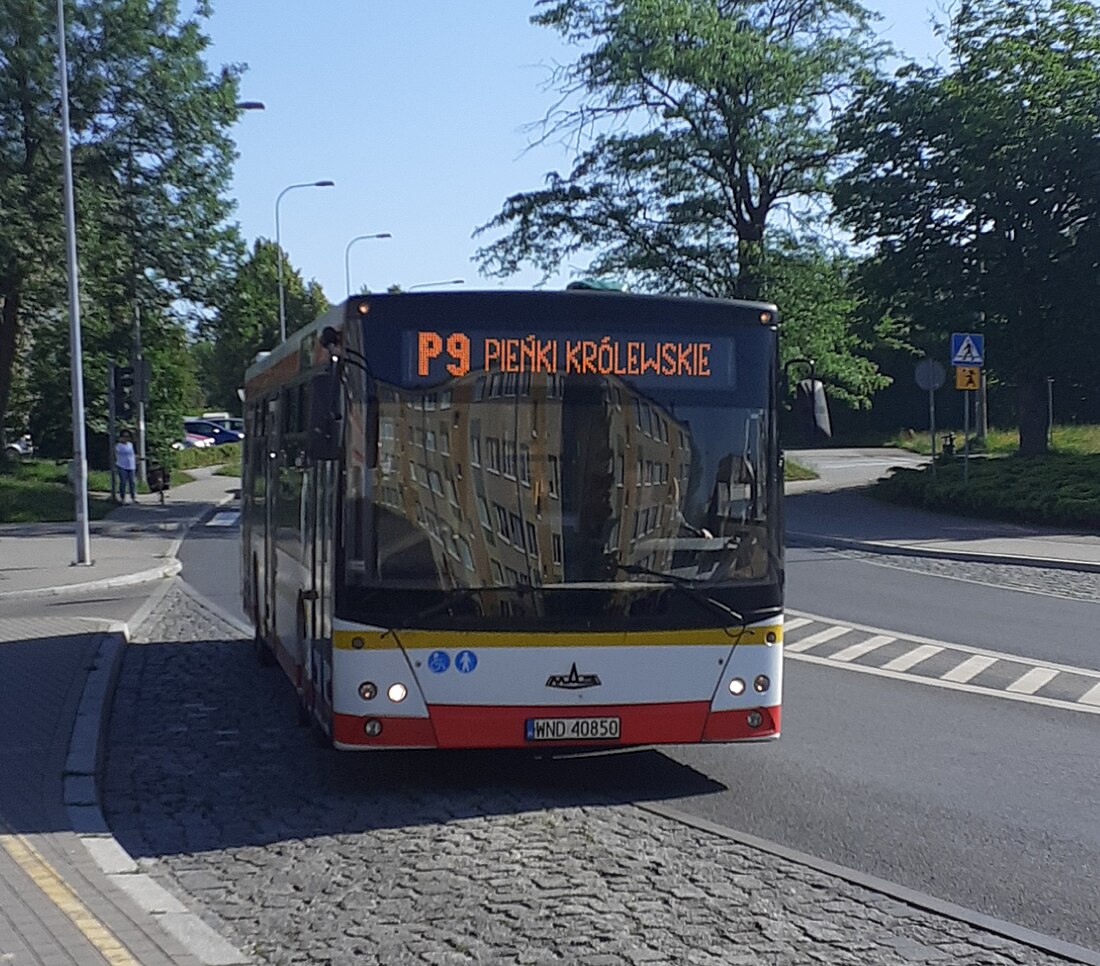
(968, 377)
(967, 349)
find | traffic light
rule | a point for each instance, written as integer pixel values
(124, 392)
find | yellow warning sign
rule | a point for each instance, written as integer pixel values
(968, 377)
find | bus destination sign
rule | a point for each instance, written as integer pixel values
(457, 353)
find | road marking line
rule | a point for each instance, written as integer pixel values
(970, 668)
(1091, 696)
(949, 685)
(963, 648)
(1031, 681)
(794, 623)
(61, 894)
(819, 638)
(915, 656)
(226, 518)
(863, 647)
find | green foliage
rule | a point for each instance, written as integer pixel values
(796, 471)
(247, 322)
(189, 459)
(38, 491)
(1060, 489)
(152, 162)
(705, 143)
(979, 185)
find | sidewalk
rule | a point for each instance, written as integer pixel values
(134, 544)
(833, 512)
(68, 894)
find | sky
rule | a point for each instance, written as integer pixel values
(420, 112)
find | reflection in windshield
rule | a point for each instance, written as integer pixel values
(533, 479)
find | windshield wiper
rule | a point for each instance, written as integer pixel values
(458, 596)
(691, 590)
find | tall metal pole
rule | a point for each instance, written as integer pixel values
(139, 377)
(966, 435)
(279, 246)
(80, 457)
(347, 257)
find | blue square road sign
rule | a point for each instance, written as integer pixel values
(967, 349)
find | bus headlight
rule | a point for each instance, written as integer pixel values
(737, 686)
(367, 690)
(761, 683)
(397, 693)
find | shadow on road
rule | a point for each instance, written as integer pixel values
(204, 753)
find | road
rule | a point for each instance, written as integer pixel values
(974, 798)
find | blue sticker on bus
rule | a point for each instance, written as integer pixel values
(438, 661)
(465, 661)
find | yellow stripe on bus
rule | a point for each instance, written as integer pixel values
(374, 640)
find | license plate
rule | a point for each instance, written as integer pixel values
(571, 729)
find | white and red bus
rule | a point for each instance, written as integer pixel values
(520, 519)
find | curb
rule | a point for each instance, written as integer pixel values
(796, 539)
(170, 568)
(83, 770)
(1051, 945)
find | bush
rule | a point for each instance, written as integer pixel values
(189, 459)
(1057, 489)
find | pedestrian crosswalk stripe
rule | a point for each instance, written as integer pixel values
(819, 638)
(1016, 678)
(1034, 679)
(853, 651)
(912, 658)
(970, 668)
(226, 518)
(1091, 696)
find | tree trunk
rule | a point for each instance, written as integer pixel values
(1031, 405)
(9, 331)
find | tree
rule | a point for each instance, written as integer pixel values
(152, 162)
(247, 320)
(707, 126)
(979, 186)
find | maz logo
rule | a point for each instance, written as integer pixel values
(572, 681)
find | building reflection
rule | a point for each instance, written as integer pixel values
(519, 480)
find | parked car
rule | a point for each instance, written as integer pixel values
(234, 423)
(193, 441)
(21, 447)
(219, 434)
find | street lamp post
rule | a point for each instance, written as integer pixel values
(279, 247)
(76, 362)
(347, 255)
(449, 281)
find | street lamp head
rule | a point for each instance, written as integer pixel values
(324, 184)
(249, 105)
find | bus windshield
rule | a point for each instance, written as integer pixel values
(565, 470)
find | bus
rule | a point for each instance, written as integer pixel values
(508, 519)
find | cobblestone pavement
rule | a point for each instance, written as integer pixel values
(299, 855)
(1039, 580)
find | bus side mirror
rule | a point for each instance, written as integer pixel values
(810, 400)
(324, 440)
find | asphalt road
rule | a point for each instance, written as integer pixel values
(984, 802)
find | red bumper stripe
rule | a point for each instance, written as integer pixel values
(473, 726)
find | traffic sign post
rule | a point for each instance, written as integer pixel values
(968, 357)
(930, 376)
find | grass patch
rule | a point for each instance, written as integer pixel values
(230, 469)
(796, 471)
(1061, 489)
(38, 492)
(189, 459)
(1080, 440)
